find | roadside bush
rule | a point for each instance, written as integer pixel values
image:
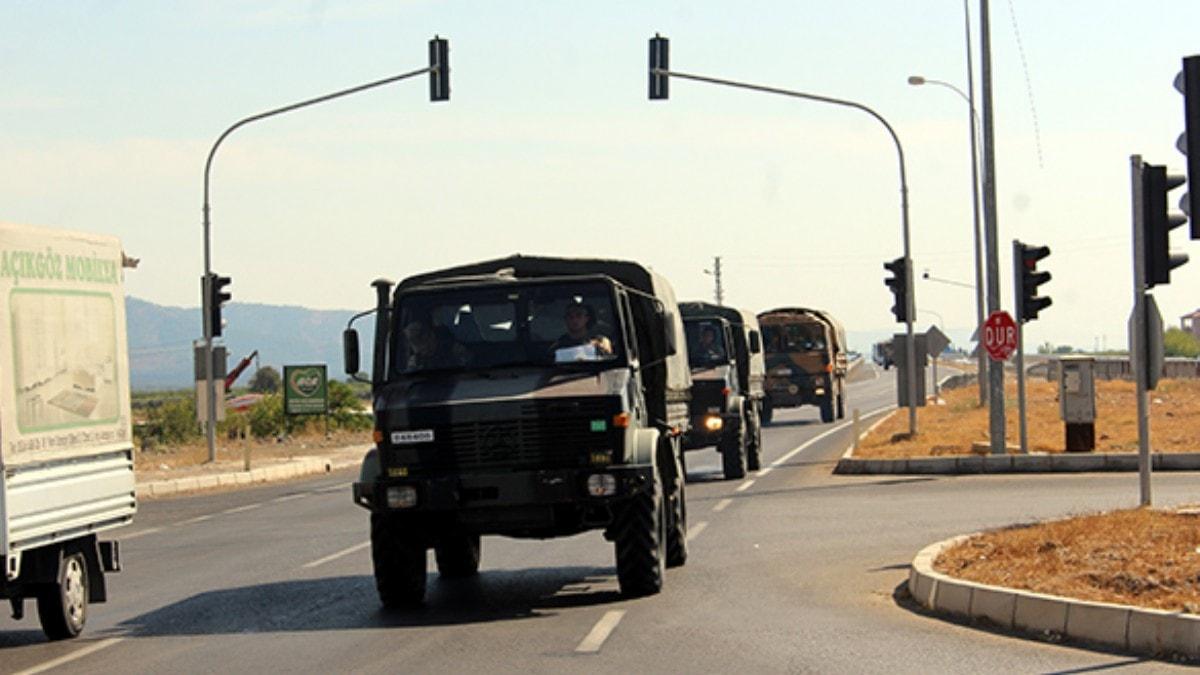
(266, 418)
(345, 408)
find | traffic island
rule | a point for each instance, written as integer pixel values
(1125, 580)
(953, 436)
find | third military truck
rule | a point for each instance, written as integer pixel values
(806, 360)
(725, 353)
(530, 397)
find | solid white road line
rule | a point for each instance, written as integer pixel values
(141, 533)
(745, 486)
(335, 556)
(723, 504)
(73, 656)
(288, 498)
(197, 519)
(695, 530)
(240, 509)
(600, 632)
(803, 446)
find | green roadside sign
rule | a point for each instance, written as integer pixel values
(305, 390)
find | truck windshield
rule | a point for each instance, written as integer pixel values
(793, 338)
(560, 325)
(706, 343)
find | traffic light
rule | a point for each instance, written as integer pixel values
(439, 74)
(659, 48)
(1158, 221)
(899, 286)
(1028, 257)
(1188, 84)
(217, 297)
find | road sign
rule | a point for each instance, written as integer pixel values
(1000, 335)
(936, 341)
(305, 390)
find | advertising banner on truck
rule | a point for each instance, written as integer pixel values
(62, 343)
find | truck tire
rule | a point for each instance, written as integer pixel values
(733, 454)
(767, 413)
(640, 543)
(62, 606)
(398, 557)
(677, 547)
(754, 452)
(827, 409)
(457, 556)
(841, 405)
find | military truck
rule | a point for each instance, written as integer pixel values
(66, 451)
(805, 351)
(725, 354)
(529, 397)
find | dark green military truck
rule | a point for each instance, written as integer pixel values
(528, 397)
(806, 360)
(725, 354)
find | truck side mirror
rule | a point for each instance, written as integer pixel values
(350, 350)
(755, 342)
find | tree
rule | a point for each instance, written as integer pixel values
(1178, 342)
(266, 381)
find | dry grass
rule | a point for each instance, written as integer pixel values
(950, 429)
(148, 463)
(1138, 557)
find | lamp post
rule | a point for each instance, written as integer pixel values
(439, 70)
(917, 80)
(659, 75)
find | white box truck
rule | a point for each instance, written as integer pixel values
(66, 450)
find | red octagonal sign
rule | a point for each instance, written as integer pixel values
(1000, 335)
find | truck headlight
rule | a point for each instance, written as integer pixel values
(602, 485)
(713, 422)
(401, 497)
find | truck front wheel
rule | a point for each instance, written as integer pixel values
(827, 408)
(754, 452)
(62, 607)
(399, 560)
(677, 548)
(458, 556)
(733, 454)
(640, 542)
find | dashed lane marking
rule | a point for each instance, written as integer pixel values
(288, 498)
(141, 533)
(73, 656)
(340, 554)
(723, 504)
(240, 509)
(745, 486)
(197, 519)
(695, 530)
(805, 445)
(600, 632)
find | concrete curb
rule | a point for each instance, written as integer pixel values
(295, 468)
(1031, 463)
(1125, 627)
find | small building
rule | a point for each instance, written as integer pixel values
(1191, 323)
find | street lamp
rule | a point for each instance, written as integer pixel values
(917, 80)
(439, 90)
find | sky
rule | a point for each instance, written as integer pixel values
(550, 146)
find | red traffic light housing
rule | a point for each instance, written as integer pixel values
(899, 285)
(1188, 84)
(1030, 278)
(439, 73)
(1158, 221)
(659, 51)
(217, 296)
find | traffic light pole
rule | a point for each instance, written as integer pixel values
(910, 347)
(210, 393)
(1019, 293)
(1138, 354)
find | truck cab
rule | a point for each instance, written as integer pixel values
(806, 361)
(725, 355)
(524, 397)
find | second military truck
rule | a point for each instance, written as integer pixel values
(530, 397)
(725, 353)
(806, 360)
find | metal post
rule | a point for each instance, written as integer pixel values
(1137, 334)
(1019, 293)
(974, 119)
(995, 370)
(910, 351)
(855, 427)
(206, 301)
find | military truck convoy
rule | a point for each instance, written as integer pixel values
(806, 361)
(529, 397)
(725, 354)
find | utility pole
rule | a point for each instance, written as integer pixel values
(719, 293)
(995, 370)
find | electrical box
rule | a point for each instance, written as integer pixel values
(1077, 389)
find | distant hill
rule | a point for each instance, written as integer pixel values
(160, 339)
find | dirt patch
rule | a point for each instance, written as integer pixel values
(151, 463)
(1143, 557)
(952, 428)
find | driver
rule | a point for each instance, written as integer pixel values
(580, 320)
(707, 348)
(427, 351)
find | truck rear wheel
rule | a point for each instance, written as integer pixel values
(458, 556)
(827, 409)
(754, 452)
(399, 560)
(841, 405)
(733, 454)
(677, 548)
(640, 543)
(767, 412)
(62, 607)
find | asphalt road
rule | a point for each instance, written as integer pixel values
(791, 570)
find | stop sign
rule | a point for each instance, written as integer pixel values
(1000, 335)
